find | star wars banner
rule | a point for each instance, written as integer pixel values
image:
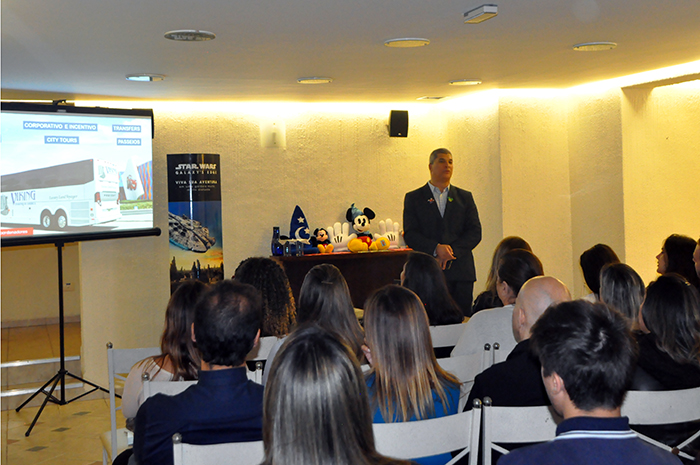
(194, 218)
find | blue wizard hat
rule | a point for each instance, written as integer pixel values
(299, 227)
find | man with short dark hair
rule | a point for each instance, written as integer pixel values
(442, 220)
(224, 406)
(588, 360)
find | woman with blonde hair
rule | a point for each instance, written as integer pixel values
(405, 382)
(315, 410)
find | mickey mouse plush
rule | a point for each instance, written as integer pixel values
(321, 240)
(360, 221)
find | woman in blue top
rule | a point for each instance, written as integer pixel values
(405, 382)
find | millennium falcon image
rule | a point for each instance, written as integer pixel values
(189, 234)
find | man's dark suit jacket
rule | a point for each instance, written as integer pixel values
(460, 228)
(516, 382)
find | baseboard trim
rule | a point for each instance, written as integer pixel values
(39, 322)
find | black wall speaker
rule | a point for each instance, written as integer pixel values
(398, 123)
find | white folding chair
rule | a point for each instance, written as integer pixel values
(262, 350)
(490, 354)
(259, 355)
(232, 453)
(119, 363)
(662, 408)
(256, 375)
(492, 327)
(169, 388)
(465, 368)
(515, 425)
(446, 335)
(423, 438)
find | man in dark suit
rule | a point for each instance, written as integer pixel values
(442, 220)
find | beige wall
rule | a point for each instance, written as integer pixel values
(595, 173)
(535, 177)
(124, 291)
(30, 284)
(661, 146)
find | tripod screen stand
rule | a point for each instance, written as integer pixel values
(59, 377)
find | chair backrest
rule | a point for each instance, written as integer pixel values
(446, 335)
(662, 408)
(232, 453)
(515, 425)
(415, 439)
(488, 327)
(490, 355)
(169, 388)
(172, 388)
(119, 363)
(262, 350)
(256, 375)
(465, 368)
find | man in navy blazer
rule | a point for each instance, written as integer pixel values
(224, 406)
(442, 220)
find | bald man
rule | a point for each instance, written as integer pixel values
(517, 381)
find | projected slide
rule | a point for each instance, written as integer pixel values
(74, 173)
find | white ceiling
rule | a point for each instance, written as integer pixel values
(84, 48)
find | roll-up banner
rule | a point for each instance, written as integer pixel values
(194, 218)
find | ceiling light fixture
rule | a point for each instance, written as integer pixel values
(190, 35)
(465, 82)
(430, 98)
(145, 77)
(407, 42)
(594, 46)
(480, 14)
(315, 80)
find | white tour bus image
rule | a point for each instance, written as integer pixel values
(73, 194)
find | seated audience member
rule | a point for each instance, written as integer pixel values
(489, 298)
(224, 406)
(179, 360)
(324, 300)
(622, 289)
(669, 344)
(517, 381)
(316, 407)
(676, 256)
(405, 382)
(423, 275)
(489, 326)
(587, 355)
(592, 261)
(269, 278)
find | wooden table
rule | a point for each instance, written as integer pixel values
(365, 272)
